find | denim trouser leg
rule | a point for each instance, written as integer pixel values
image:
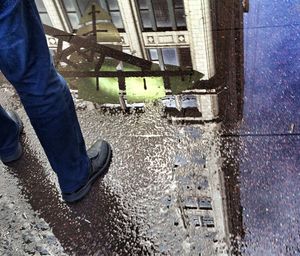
(26, 63)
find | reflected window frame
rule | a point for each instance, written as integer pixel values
(43, 13)
(113, 10)
(148, 13)
(78, 10)
(157, 55)
(73, 13)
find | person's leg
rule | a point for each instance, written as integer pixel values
(26, 63)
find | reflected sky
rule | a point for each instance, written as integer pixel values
(272, 63)
(269, 191)
(269, 165)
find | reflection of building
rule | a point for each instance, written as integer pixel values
(234, 209)
(209, 191)
(201, 34)
(164, 31)
(223, 169)
(208, 36)
(229, 51)
(220, 95)
(96, 23)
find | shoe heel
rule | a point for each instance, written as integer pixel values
(15, 156)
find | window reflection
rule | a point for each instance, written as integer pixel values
(113, 5)
(180, 18)
(70, 5)
(154, 55)
(146, 19)
(162, 15)
(171, 56)
(75, 10)
(43, 13)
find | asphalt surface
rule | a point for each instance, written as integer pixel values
(268, 142)
(23, 232)
(135, 208)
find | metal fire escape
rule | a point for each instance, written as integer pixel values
(92, 53)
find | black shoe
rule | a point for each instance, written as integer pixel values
(100, 156)
(18, 153)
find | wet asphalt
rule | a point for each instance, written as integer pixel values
(268, 141)
(133, 211)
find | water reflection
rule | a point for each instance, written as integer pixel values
(272, 67)
(227, 186)
(266, 146)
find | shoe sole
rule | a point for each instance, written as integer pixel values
(86, 188)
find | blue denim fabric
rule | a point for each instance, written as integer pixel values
(26, 63)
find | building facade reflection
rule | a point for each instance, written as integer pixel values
(208, 37)
(205, 36)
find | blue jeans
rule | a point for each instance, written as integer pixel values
(25, 61)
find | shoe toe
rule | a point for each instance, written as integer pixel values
(99, 153)
(100, 147)
(100, 156)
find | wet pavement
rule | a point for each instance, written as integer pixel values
(272, 91)
(136, 209)
(182, 190)
(269, 187)
(268, 141)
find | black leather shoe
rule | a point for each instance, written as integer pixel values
(19, 151)
(100, 155)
